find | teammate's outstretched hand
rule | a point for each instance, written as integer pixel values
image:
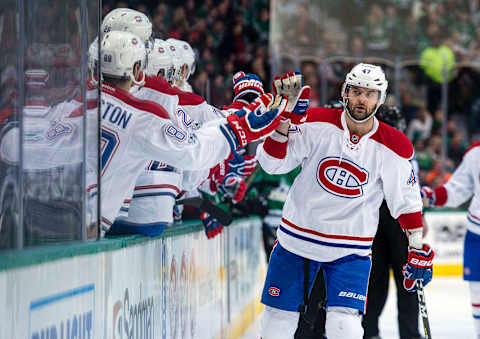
(212, 226)
(428, 196)
(418, 267)
(243, 165)
(247, 87)
(254, 121)
(291, 85)
(234, 187)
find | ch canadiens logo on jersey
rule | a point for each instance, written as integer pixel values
(59, 129)
(344, 179)
(274, 292)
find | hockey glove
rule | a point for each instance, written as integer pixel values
(418, 267)
(217, 174)
(234, 187)
(212, 226)
(246, 87)
(428, 196)
(291, 85)
(243, 165)
(254, 121)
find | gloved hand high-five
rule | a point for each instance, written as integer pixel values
(234, 187)
(243, 165)
(291, 85)
(254, 121)
(428, 196)
(418, 267)
(212, 226)
(227, 177)
(247, 87)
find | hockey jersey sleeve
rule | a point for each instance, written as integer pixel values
(401, 190)
(192, 179)
(161, 139)
(280, 154)
(461, 184)
(203, 112)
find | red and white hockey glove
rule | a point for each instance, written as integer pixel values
(291, 85)
(246, 87)
(234, 187)
(254, 121)
(243, 165)
(428, 197)
(419, 266)
(217, 174)
(212, 226)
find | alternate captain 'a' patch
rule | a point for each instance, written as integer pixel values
(412, 180)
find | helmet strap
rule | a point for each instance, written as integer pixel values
(140, 82)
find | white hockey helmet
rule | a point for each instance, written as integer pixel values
(176, 59)
(160, 60)
(188, 56)
(129, 20)
(119, 52)
(367, 76)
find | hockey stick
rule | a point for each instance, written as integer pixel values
(223, 217)
(311, 324)
(250, 179)
(423, 310)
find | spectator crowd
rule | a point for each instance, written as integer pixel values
(322, 38)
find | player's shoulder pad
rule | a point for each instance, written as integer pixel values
(184, 98)
(159, 84)
(472, 147)
(394, 140)
(323, 114)
(143, 105)
(189, 99)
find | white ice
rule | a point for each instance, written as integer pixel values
(448, 304)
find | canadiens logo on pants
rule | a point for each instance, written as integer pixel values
(341, 178)
(274, 292)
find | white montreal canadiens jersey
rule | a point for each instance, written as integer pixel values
(52, 135)
(135, 131)
(332, 208)
(156, 188)
(464, 183)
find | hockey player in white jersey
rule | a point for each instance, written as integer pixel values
(153, 198)
(135, 131)
(350, 163)
(154, 194)
(463, 185)
(187, 64)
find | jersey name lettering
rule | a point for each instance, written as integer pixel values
(115, 114)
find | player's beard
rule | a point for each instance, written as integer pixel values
(359, 111)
